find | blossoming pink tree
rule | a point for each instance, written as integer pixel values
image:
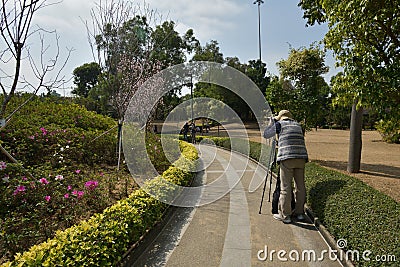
(121, 44)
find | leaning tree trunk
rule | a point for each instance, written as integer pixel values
(355, 146)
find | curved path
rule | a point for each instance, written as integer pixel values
(230, 231)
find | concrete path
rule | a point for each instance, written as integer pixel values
(230, 231)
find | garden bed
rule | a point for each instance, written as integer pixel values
(104, 238)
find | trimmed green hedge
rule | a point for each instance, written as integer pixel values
(348, 208)
(103, 239)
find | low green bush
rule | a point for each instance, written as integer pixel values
(68, 146)
(105, 237)
(366, 218)
(56, 131)
(389, 130)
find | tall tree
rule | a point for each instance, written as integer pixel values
(209, 52)
(85, 78)
(307, 90)
(257, 72)
(365, 38)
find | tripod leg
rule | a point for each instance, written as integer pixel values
(262, 198)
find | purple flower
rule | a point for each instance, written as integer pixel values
(19, 189)
(69, 188)
(79, 194)
(43, 181)
(44, 131)
(78, 171)
(91, 185)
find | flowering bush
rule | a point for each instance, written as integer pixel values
(60, 133)
(105, 237)
(67, 174)
(28, 204)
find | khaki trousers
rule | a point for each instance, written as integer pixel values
(292, 168)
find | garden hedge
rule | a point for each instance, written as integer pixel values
(350, 209)
(104, 238)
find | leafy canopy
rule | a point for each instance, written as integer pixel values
(365, 38)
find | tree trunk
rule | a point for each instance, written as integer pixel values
(355, 146)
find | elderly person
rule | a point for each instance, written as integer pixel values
(292, 156)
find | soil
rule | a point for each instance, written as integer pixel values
(380, 161)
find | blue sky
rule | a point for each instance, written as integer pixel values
(233, 23)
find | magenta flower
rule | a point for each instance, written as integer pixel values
(79, 194)
(66, 195)
(91, 185)
(78, 171)
(47, 198)
(43, 181)
(19, 189)
(3, 165)
(44, 131)
(69, 188)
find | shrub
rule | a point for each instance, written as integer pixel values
(51, 137)
(389, 130)
(59, 132)
(350, 209)
(103, 239)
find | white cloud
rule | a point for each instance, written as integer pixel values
(208, 18)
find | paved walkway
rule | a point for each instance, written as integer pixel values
(230, 231)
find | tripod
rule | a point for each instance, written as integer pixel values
(271, 164)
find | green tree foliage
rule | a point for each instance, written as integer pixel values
(255, 70)
(301, 88)
(365, 38)
(130, 49)
(168, 46)
(85, 78)
(209, 52)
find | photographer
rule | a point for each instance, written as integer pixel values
(292, 156)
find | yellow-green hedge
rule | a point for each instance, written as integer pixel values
(104, 238)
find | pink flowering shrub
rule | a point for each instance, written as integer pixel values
(67, 173)
(60, 133)
(55, 201)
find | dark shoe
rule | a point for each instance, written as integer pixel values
(300, 217)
